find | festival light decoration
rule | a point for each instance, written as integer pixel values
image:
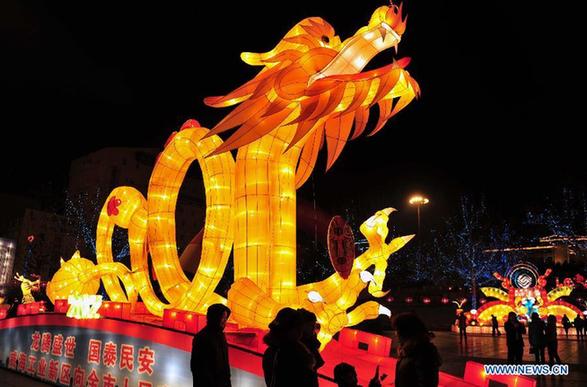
(27, 287)
(84, 307)
(525, 294)
(310, 91)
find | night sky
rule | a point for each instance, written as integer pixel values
(497, 116)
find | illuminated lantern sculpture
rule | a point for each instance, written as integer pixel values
(84, 307)
(311, 90)
(525, 294)
(459, 304)
(27, 287)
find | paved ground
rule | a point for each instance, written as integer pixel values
(487, 349)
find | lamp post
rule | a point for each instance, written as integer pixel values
(418, 201)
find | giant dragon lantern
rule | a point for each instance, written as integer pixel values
(525, 293)
(310, 90)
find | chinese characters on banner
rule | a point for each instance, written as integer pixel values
(108, 364)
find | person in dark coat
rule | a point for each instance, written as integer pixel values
(551, 340)
(536, 338)
(310, 339)
(209, 362)
(566, 325)
(463, 326)
(514, 331)
(494, 326)
(287, 362)
(578, 322)
(418, 359)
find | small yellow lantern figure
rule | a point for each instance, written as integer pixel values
(27, 286)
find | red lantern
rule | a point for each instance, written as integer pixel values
(30, 238)
(444, 300)
(390, 299)
(409, 300)
(426, 300)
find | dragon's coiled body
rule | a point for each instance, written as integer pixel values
(310, 91)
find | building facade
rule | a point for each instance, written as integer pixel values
(42, 239)
(7, 253)
(552, 250)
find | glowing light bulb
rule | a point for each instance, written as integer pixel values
(384, 310)
(314, 296)
(366, 276)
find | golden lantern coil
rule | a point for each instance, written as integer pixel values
(311, 91)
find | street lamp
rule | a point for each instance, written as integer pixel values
(418, 201)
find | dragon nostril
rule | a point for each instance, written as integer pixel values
(325, 39)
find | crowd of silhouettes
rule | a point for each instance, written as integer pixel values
(292, 357)
(542, 336)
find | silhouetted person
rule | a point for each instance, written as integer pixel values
(514, 331)
(345, 375)
(494, 326)
(418, 359)
(463, 326)
(209, 361)
(309, 338)
(578, 323)
(287, 362)
(551, 340)
(566, 325)
(536, 338)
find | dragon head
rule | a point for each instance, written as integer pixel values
(384, 31)
(315, 84)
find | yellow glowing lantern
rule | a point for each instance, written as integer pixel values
(27, 286)
(311, 90)
(84, 307)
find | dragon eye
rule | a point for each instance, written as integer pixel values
(325, 39)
